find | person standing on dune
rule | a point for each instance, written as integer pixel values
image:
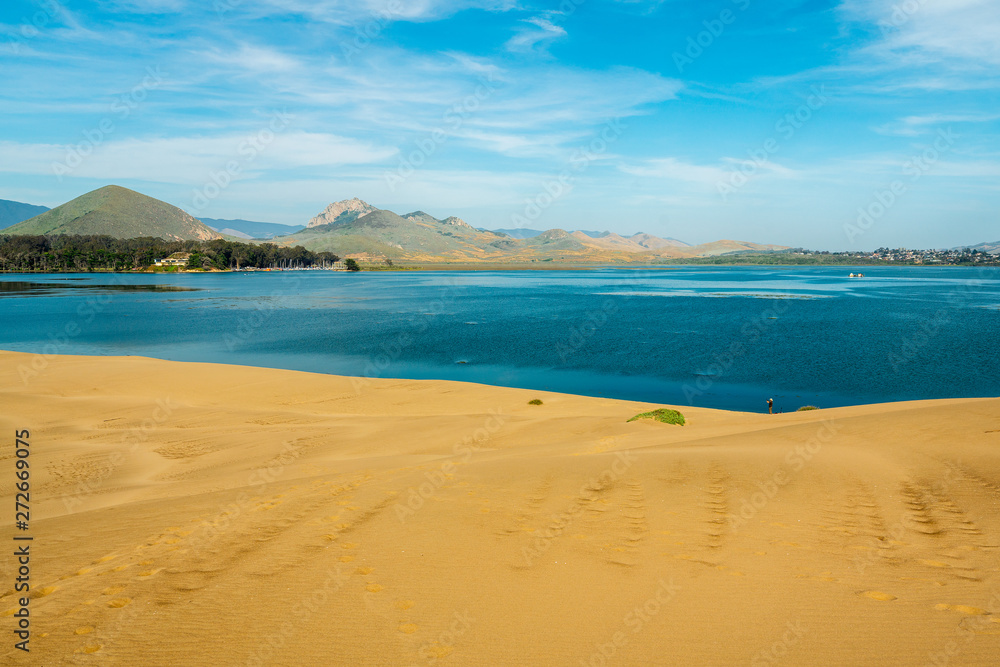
(770, 406)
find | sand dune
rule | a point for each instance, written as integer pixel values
(196, 514)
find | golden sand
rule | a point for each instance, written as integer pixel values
(198, 514)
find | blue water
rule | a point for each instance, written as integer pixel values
(725, 337)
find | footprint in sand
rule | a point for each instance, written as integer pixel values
(364, 570)
(962, 609)
(113, 590)
(877, 595)
(85, 630)
(44, 591)
(373, 588)
(92, 648)
(104, 559)
(438, 650)
(348, 545)
(408, 628)
(403, 605)
(346, 559)
(118, 603)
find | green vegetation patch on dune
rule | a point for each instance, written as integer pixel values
(665, 415)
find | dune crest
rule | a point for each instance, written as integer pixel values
(199, 514)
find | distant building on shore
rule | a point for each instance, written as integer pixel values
(177, 259)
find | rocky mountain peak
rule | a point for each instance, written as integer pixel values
(342, 211)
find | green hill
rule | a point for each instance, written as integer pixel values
(418, 235)
(13, 212)
(118, 212)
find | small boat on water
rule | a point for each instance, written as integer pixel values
(856, 275)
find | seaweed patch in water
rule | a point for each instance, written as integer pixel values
(28, 288)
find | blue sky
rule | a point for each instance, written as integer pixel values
(825, 124)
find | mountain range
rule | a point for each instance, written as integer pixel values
(353, 227)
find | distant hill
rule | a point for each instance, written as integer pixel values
(249, 229)
(13, 212)
(716, 248)
(992, 248)
(643, 241)
(420, 237)
(118, 212)
(383, 233)
(519, 233)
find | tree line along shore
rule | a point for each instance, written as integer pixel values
(71, 253)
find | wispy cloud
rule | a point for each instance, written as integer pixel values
(912, 126)
(534, 35)
(190, 160)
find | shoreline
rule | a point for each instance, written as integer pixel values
(800, 395)
(540, 266)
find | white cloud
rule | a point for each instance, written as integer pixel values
(353, 12)
(190, 160)
(673, 169)
(676, 170)
(535, 35)
(959, 34)
(252, 59)
(912, 126)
